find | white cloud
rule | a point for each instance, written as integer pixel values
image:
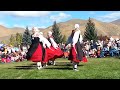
(42, 27)
(92, 12)
(59, 17)
(4, 24)
(110, 17)
(32, 25)
(22, 26)
(44, 20)
(26, 13)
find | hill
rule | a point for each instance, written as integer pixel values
(104, 28)
(117, 22)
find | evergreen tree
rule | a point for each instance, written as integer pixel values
(4, 42)
(18, 39)
(26, 40)
(90, 33)
(56, 33)
(64, 39)
(12, 40)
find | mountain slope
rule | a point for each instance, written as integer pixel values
(117, 22)
(103, 28)
(8, 31)
(109, 29)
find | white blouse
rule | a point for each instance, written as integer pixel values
(35, 35)
(76, 37)
(54, 44)
(44, 41)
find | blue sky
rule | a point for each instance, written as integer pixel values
(43, 19)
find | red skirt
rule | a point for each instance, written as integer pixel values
(58, 53)
(84, 59)
(73, 56)
(37, 55)
(51, 54)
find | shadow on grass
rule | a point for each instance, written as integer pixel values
(33, 64)
(23, 67)
(64, 66)
(59, 68)
(32, 67)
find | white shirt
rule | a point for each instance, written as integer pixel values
(9, 50)
(76, 37)
(54, 44)
(35, 35)
(13, 49)
(109, 44)
(23, 53)
(87, 47)
(44, 41)
(12, 58)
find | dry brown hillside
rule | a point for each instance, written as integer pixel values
(8, 31)
(5, 33)
(117, 22)
(109, 29)
(103, 28)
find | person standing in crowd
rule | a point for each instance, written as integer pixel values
(35, 51)
(76, 52)
(87, 48)
(59, 53)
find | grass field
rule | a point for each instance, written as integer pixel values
(95, 68)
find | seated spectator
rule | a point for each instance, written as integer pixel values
(92, 53)
(66, 54)
(98, 52)
(8, 59)
(12, 57)
(113, 51)
(3, 58)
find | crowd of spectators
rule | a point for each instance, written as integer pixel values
(100, 48)
(8, 53)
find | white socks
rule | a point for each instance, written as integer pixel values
(75, 66)
(53, 62)
(39, 65)
(46, 65)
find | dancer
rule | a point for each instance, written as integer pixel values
(35, 53)
(69, 43)
(59, 53)
(76, 52)
(49, 52)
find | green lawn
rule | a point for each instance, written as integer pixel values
(96, 68)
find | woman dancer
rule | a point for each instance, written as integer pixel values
(35, 53)
(49, 52)
(76, 53)
(59, 53)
